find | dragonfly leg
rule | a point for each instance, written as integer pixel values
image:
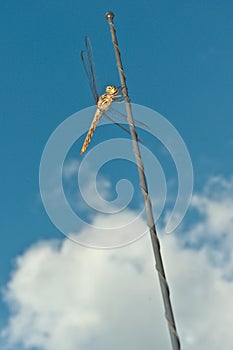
(120, 88)
(118, 98)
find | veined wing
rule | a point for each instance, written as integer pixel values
(89, 67)
(114, 122)
(121, 126)
(95, 121)
(123, 117)
(88, 64)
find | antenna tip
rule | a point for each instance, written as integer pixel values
(109, 16)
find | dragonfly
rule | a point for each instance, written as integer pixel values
(112, 94)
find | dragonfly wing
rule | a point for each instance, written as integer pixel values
(123, 117)
(89, 67)
(91, 130)
(121, 126)
(118, 124)
(93, 126)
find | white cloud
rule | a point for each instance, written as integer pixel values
(88, 193)
(213, 231)
(217, 205)
(70, 168)
(63, 296)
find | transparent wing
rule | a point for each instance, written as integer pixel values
(89, 67)
(123, 117)
(121, 126)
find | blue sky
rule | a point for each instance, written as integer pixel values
(176, 57)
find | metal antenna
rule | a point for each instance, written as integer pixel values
(143, 184)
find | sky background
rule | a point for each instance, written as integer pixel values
(59, 295)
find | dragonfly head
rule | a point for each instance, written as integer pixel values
(111, 90)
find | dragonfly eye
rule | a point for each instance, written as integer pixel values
(111, 89)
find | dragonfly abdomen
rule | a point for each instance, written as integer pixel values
(103, 104)
(92, 128)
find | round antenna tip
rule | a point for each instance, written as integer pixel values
(109, 15)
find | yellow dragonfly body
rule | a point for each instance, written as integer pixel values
(104, 102)
(113, 94)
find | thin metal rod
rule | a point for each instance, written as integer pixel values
(143, 184)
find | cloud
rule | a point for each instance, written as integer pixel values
(70, 168)
(64, 296)
(213, 231)
(92, 193)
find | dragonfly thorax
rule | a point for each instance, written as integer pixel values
(105, 101)
(111, 90)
